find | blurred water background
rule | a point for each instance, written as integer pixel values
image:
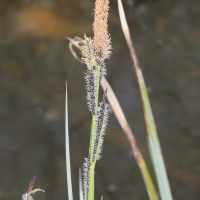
(35, 62)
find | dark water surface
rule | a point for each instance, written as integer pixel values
(35, 62)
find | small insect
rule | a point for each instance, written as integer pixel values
(28, 195)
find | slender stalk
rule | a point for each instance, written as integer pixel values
(91, 183)
(68, 168)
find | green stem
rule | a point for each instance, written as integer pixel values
(91, 183)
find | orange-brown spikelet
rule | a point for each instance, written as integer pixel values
(101, 39)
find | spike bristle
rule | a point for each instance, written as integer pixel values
(90, 87)
(102, 71)
(101, 123)
(86, 176)
(31, 184)
(105, 121)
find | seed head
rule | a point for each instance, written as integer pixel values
(30, 192)
(90, 87)
(100, 26)
(101, 123)
(86, 176)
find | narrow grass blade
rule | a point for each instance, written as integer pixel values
(155, 164)
(68, 168)
(80, 185)
(154, 145)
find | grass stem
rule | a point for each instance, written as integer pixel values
(91, 183)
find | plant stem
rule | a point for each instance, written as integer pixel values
(91, 183)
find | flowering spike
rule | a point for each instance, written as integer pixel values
(100, 126)
(90, 87)
(102, 71)
(31, 184)
(100, 27)
(86, 175)
(104, 97)
(105, 121)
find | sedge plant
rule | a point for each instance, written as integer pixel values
(94, 52)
